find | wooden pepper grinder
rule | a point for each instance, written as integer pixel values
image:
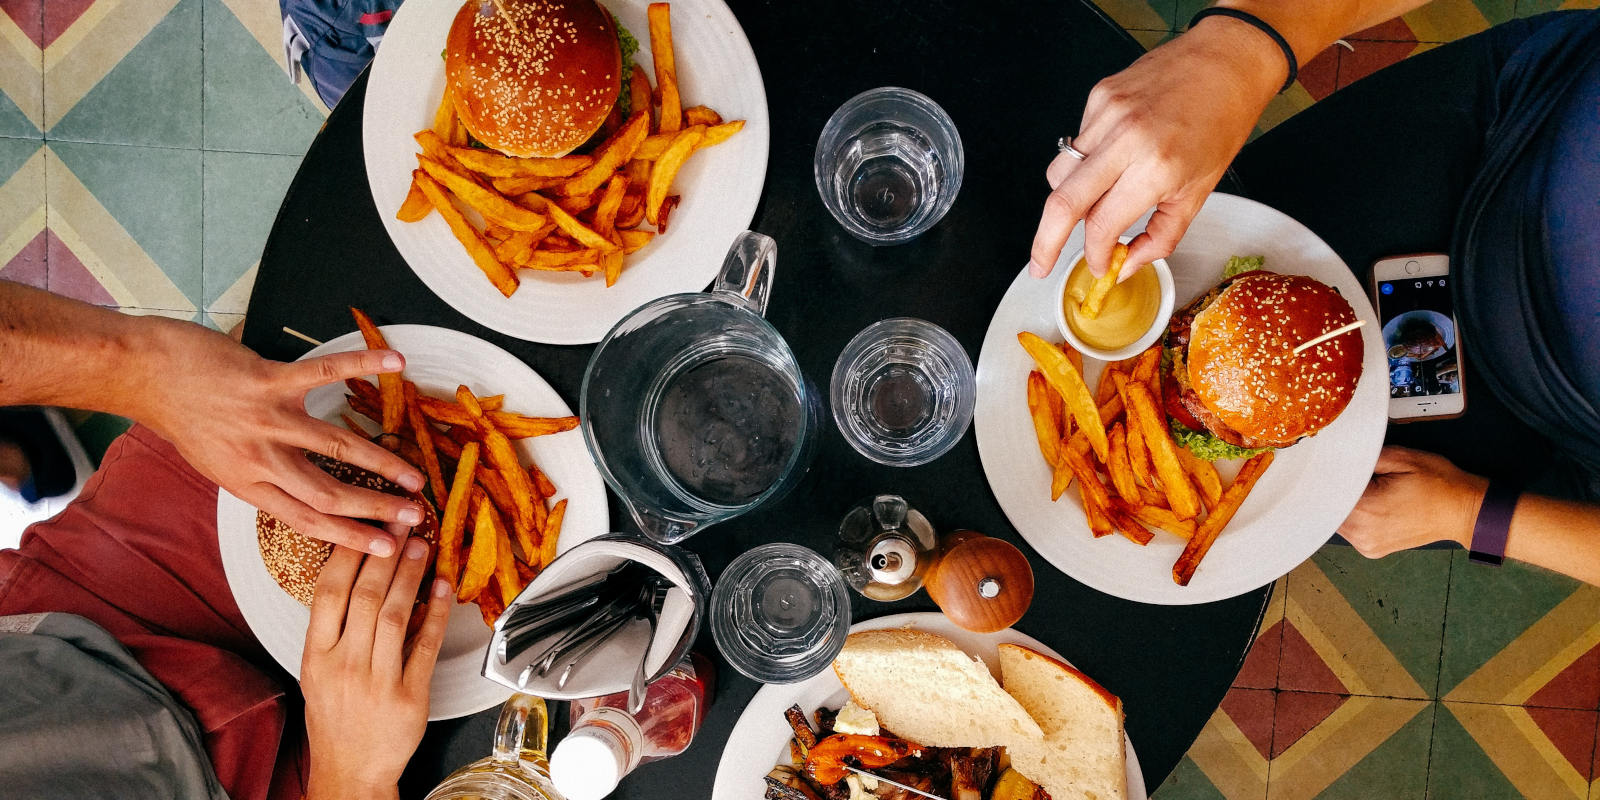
(981, 583)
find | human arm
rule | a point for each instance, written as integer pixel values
(239, 419)
(366, 687)
(1161, 132)
(1416, 498)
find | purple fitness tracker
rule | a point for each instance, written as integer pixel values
(1494, 524)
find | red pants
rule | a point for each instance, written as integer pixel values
(137, 554)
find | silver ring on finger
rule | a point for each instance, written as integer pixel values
(1064, 144)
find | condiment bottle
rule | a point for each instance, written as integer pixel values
(606, 742)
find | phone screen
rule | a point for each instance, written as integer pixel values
(1419, 335)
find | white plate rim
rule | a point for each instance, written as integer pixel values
(743, 765)
(1265, 540)
(721, 186)
(458, 688)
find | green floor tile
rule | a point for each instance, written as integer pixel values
(242, 194)
(250, 105)
(152, 96)
(154, 194)
(1458, 769)
(1188, 782)
(1396, 770)
(1401, 597)
(1183, 11)
(14, 153)
(1490, 607)
(1528, 8)
(15, 123)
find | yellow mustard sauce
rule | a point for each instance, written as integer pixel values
(1129, 309)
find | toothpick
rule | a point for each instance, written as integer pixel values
(1329, 335)
(302, 337)
(895, 784)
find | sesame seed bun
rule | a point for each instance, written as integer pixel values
(533, 77)
(1243, 369)
(295, 560)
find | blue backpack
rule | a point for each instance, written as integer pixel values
(329, 42)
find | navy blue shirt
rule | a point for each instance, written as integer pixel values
(1572, 202)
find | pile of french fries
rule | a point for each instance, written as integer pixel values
(577, 213)
(463, 446)
(1120, 431)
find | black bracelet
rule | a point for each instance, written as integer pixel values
(1260, 24)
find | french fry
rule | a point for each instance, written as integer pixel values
(552, 532)
(513, 425)
(416, 205)
(1058, 372)
(1218, 518)
(452, 524)
(542, 481)
(1073, 357)
(389, 392)
(1139, 457)
(490, 607)
(1099, 523)
(577, 204)
(505, 563)
(571, 226)
(660, 17)
(667, 207)
(444, 118)
(717, 134)
(666, 168)
(639, 92)
(1181, 496)
(701, 115)
(458, 133)
(632, 241)
(487, 202)
(494, 486)
(1204, 474)
(515, 187)
(501, 455)
(540, 512)
(1157, 518)
(515, 248)
(499, 274)
(1118, 466)
(610, 202)
(1095, 300)
(423, 433)
(1061, 476)
(1045, 427)
(494, 165)
(613, 153)
(433, 146)
(1128, 526)
(1105, 389)
(1145, 365)
(481, 555)
(611, 265)
(1111, 410)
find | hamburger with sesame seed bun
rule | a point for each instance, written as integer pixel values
(295, 560)
(535, 78)
(1235, 384)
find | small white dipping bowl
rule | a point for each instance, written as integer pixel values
(1064, 268)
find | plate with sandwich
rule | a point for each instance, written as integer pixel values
(272, 569)
(915, 700)
(547, 166)
(1218, 459)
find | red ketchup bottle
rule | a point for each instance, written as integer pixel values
(606, 742)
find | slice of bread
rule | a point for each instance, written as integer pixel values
(1080, 755)
(926, 689)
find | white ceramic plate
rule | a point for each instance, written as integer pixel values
(760, 739)
(438, 360)
(1298, 503)
(720, 185)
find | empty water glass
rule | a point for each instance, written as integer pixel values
(889, 165)
(780, 613)
(903, 392)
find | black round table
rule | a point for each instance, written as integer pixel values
(1014, 76)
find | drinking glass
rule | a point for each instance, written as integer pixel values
(780, 613)
(889, 165)
(517, 769)
(903, 392)
(694, 407)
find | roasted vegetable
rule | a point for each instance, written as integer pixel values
(827, 760)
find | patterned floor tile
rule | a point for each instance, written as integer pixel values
(1140, 15)
(1492, 751)
(1449, 20)
(22, 212)
(250, 105)
(1260, 669)
(21, 68)
(1528, 8)
(127, 72)
(1341, 746)
(242, 195)
(108, 243)
(1520, 635)
(1229, 758)
(1364, 626)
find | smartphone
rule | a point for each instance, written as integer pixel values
(1421, 339)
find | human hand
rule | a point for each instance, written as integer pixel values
(240, 420)
(366, 690)
(1414, 498)
(1158, 134)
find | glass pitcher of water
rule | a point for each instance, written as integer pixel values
(517, 769)
(693, 405)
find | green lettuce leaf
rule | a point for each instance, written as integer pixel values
(1241, 264)
(630, 48)
(1209, 447)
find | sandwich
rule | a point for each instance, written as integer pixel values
(1235, 386)
(536, 78)
(295, 560)
(1080, 753)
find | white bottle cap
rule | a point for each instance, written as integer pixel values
(588, 764)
